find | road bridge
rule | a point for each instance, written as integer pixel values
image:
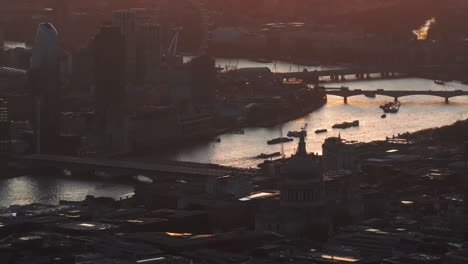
(346, 93)
(122, 167)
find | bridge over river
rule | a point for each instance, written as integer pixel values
(123, 167)
(361, 73)
(345, 92)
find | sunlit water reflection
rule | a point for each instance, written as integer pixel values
(50, 190)
(416, 113)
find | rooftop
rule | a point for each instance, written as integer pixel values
(12, 72)
(87, 226)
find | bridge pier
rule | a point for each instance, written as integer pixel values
(368, 76)
(345, 100)
(343, 78)
(395, 99)
(447, 100)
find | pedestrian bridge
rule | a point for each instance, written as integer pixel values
(346, 93)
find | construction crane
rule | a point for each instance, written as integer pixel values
(171, 51)
(304, 129)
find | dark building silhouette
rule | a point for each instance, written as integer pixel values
(312, 201)
(4, 126)
(203, 80)
(108, 51)
(81, 78)
(466, 154)
(465, 201)
(109, 77)
(45, 83)
(148, 51)
(126, 21)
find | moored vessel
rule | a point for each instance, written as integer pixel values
(345, 125)
(267, 156)
(279, 140)
(297, 133)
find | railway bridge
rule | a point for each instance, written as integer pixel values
(360, 73)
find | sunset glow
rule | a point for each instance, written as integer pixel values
(187, 131)
(423, 31)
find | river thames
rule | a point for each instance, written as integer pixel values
(416, 113)
(51, 189)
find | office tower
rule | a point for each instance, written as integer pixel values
(466, 154)
(81, 78)
(2, 40)
(108, 52)
(465, 200)
(142, 15)
(4, 126)
(148, 51)
(44, 80)
(126, 21)
(203, 80)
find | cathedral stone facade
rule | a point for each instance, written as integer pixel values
(312, 202)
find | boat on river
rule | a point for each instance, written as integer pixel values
(391, 107)
(260, 60)
(439, 82)
(319, 131)
(267, 156)
(383, 116)
(279, 140)
(345, 125)
(297, 133)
